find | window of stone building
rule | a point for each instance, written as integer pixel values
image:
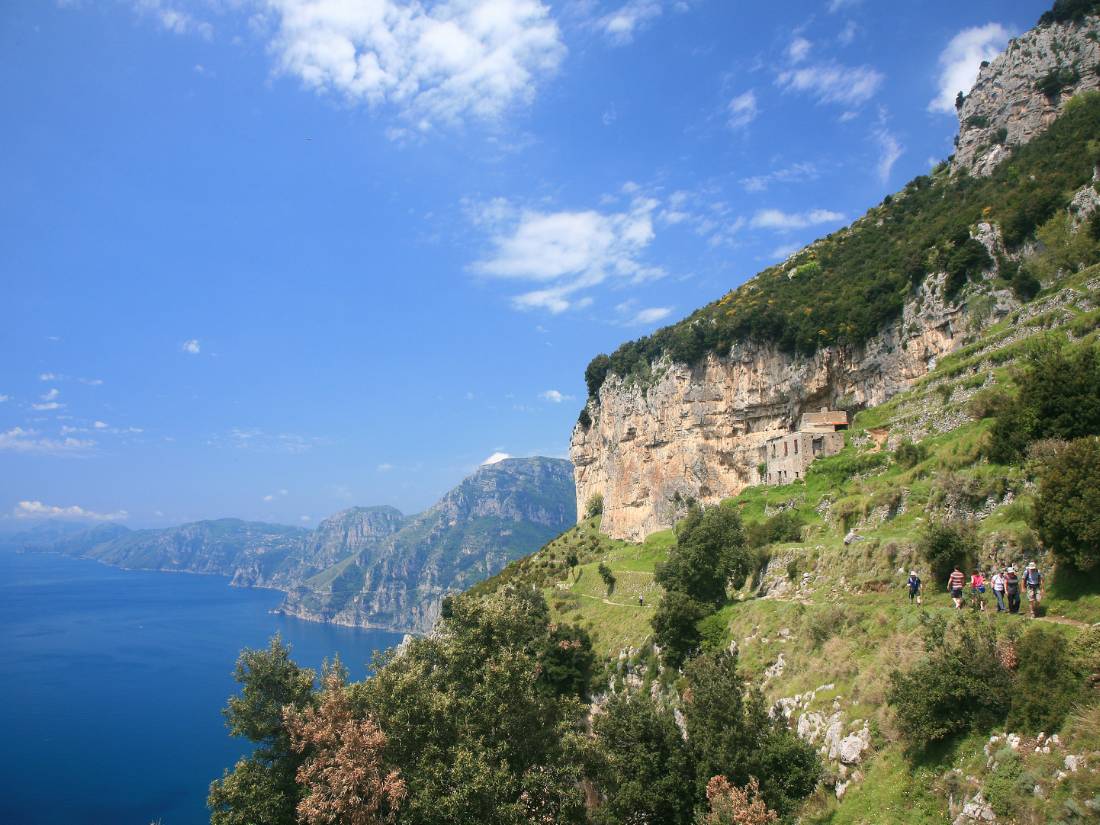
(796, 446)
(784, 448)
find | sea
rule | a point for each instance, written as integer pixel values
(112, 684)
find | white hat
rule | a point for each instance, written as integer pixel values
(1011, 569)
(1031, 566)
(912, 572)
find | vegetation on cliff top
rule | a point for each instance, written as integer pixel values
(844, 288)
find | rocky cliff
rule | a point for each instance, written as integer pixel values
(679, 416)
(499, 513)
(1024, 89)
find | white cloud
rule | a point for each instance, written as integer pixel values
(48, 376)
(4, 398)
(621, 25)
(848, 33)
(554, 396)
(173, 19)
(51, 395)
(840, 5)
(304, 519)
(785, 221)
(799, 49)
(889, 152)
(91, 382)
(276, 494)
(36, 509)
(743, 110)
(795, 173)
(384, 467)
(567, 252)
(961, 59)
(495, 458)
(100, 425)
(650, 315)
(439, 62)
(781, 253)
(833, 83)
(19, 440)
(191, 346)
(46, 406)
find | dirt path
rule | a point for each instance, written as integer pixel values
(1064, 620)
(608, 601)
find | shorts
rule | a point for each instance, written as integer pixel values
(956, 592)
(1033, 592)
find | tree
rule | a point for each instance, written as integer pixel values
(607, 576)
(261, 789)
(646, 768)
(595, 373)
(594, 506)
(733, 735)
(1047, 682)
(710, 551)
(566, 661)
(676, 627)
(731, 805)
(343, 777)
(946, 545)
(1067, 510)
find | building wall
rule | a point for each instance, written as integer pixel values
(788, 456)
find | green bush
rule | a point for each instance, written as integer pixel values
(966, 261)
(1046, 683)
(710, 551)
(946, 545)
(785, 525)
(676, 627)
(1064, 11)
(958, 686)
(594, 506)
(1067, 509)
(909, 455)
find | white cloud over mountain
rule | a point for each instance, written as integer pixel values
(37, 509)
(961, 59)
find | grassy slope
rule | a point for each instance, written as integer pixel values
(844, 608)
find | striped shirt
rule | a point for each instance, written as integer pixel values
(956, 581)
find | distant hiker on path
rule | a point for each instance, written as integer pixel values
(1012, 590)
(914, 586)
(998, 583)
(955, 584)
(977, 589)
(1034, 581)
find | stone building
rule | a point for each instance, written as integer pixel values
(787, 456)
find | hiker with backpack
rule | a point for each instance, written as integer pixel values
(914, 587)
(977, 589)
(1012, 590)
(955, 584)
(1033, 580)
(998, 582)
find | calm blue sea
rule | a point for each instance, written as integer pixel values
(112, 684)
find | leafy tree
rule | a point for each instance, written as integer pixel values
(967, 260)
(261, 790)
(1024, 284)
(731, 805)
(1069, 10)
(594, 506)
(675, 626)
(959, 686)
(607, 576)
(1067, 510)
(1057, 399)
(785, 525)
(947, 544)
(646, 768)
(595, 374)
(566, 661)
(732, 735)
(909, 454)
(343, 774)
(710, 551)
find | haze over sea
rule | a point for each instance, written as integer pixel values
(112, 682)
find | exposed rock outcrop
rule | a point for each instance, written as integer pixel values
(694, 432)
(1024, 89)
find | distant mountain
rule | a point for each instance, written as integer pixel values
(369, 566)
(494, 516)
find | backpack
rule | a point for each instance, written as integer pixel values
(1033, 577)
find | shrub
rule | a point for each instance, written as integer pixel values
(785, 525)
(584, 419)
(987, 403)
(946, 545)
(1067, 509)
(967, 260)
(909, 455)
(1064, 11)
(1025, 285)
(596, 373)
(594, 506)
(731, 805)
(1046, 682)
(607, 576)
(959, 686)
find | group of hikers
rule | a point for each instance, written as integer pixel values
(1005, 585)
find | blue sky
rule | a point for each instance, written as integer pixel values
(272, 258)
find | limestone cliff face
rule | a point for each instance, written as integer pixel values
(694, 432)
(1020, 93)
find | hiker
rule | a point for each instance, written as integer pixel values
(914, 586)
(1012, 590)
(955, 584)
(1033, 579)
(977, 589)
(998, 583)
